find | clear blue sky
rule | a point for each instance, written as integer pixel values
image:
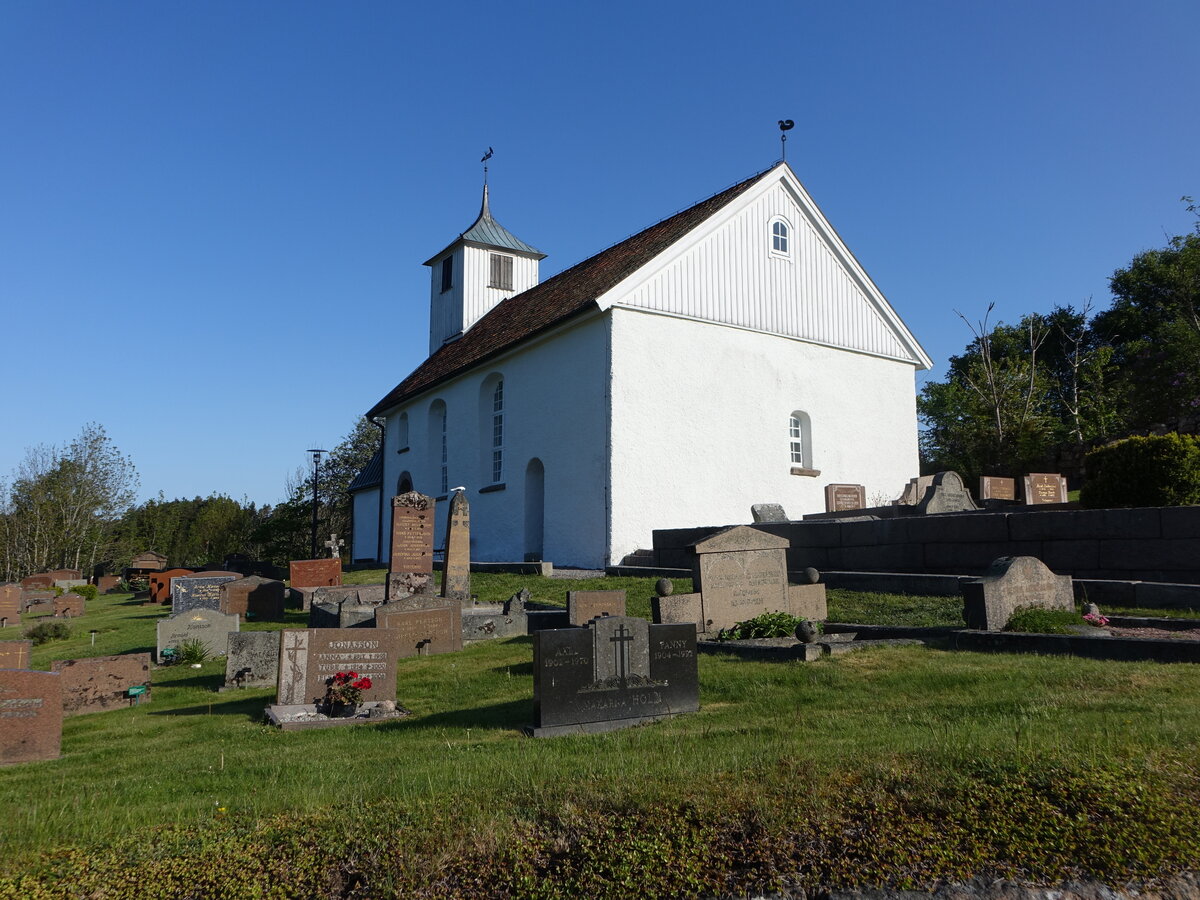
(213, 215)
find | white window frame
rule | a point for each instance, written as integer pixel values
(780, 232)
(497, 469)
(800, 440)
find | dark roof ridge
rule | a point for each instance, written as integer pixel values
(558, 298)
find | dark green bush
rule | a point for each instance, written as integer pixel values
(1159, 470)
(86, 591)
(1035, 620)
(44, 632)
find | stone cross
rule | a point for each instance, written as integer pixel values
(621, 639)
(335, 544)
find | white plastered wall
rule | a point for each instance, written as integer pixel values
(555, 409)
(366, 525)
(700, 424)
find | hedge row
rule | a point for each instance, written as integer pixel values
(1159, 470)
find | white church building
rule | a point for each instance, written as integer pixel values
(734, 353)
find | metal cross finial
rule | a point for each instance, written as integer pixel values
(334, 544)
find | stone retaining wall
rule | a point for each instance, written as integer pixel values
(1160, 544)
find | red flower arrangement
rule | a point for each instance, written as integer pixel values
(346, 688)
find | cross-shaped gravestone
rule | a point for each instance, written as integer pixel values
(335, 544)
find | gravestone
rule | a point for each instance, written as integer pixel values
(315, 573)
(992, 487)
(11, 603)
(456, 563)
(617, 672)
(208, 626)
(946, 494)
(199, 591)
(309, 658)
(68, 606)
(424, 632)
(15, 654)
(65, 575)
(841, 497)
(583, 606)
(148, 560)
(335, 545)
(160, 584)
(915, 490)
(410, 566)
(40, 606)
(68, 583)
(1010, 583)
(507, 619)
(768, 512)
(253, 659)
(1043, 487)
(99, 683)
(253, 598)
(31, 715)
(42, 582)
(107, 583)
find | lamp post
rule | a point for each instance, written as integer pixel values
(316, 458)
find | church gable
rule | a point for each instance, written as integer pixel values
(771, 262)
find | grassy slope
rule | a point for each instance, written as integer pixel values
(795, 748)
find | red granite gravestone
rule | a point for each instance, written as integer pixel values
(107, 583)
(30, 715)
(842, 497)
(1043, 487)
(42, 582)
(410, 565)
(315, 573)
(992, 487)
(65, 575)
(15, 654)
(68, 606)
(583, 606)
(98, 683)
(10, 603)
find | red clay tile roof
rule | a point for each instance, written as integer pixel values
(555, 300)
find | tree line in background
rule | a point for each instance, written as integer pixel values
(1037, 395)
(74, 507)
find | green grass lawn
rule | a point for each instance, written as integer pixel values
(897, 766)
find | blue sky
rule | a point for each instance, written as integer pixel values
(213, 215)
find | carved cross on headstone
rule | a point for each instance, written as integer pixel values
(621, 651)
(335, 544)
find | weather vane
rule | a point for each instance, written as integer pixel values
(486, 157)
(785, 125)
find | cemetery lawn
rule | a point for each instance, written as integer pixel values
(897, 766)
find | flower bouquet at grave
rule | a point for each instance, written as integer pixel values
(344, 691)
(1096, 620)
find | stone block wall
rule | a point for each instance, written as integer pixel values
(1154, 544)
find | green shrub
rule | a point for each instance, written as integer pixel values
(45, 632)
(86, 591)
(58, 592)
(1035, 620)
(768, 625)
(1159, 470)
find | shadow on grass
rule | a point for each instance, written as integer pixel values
(212, 682)
(250, 707)
(510, 716)
(521, 668)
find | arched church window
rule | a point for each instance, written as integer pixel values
(439, 446)
(402, 433)
(404, 483)
(491, 429)
(800, 439)
(781, 237)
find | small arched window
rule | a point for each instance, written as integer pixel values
(781, 237)
(800, 440)
(402, 433)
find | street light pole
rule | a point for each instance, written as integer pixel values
(316, 458)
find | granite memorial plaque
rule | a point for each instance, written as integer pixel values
(992, 487)
(253, 659)
(842, 497)
(68, 606)
(946, 494)
(410, 567)
(31, 715)
(197, 591)
(1043, 487)
(740, 573)
(583, 606)
(617, 672)
(456, 564)
(99, 683)
(15, 654)
(1011, 583)
(11, 603)
(424, 632)
(253, 598)
(315, 573)
(208, 626)
(309, 658)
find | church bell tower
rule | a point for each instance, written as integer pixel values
(481, 267)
